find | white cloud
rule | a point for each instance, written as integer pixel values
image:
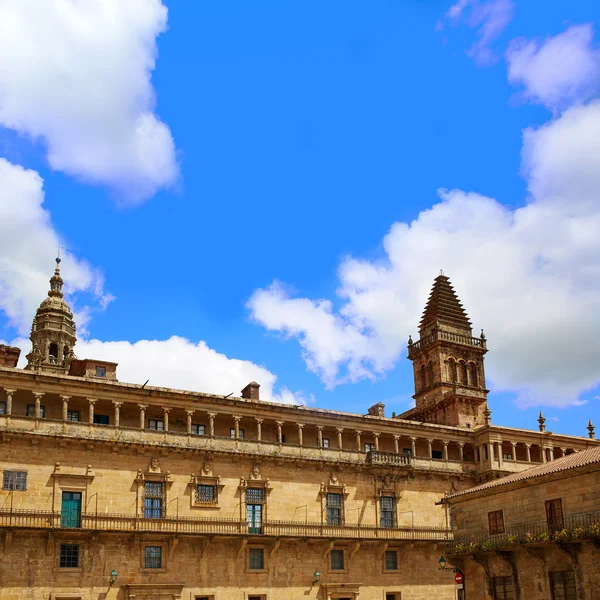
(490, 18)
(77, 76)
(530, 277)
(27, 247)
(557, 71)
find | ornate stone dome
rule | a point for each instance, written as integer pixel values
(53, 332)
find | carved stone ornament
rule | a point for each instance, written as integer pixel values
(154, 466)
(387, 481)
(333, 479)
(255, 472)
(207, 469)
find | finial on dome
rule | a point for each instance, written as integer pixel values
(591, 429)
(441, 273)
(542, 422)
(56, 281)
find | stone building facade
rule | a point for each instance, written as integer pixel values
(113, 490)
(533, 535)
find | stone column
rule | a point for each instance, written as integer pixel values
(339, 434)
(397, 444)
(65, 407)
(320, 436)
(461, 451)
(91, 401)
(38, 400)
(551, 452)
(500, 457)
(117, 406)
(142, 408)
(259, 423)
(358, 447)
(429, 447)
(481, 456)
(236, 426)
(9, 399)
(445, 450)
(300, 427)
(376, 436)
(211, 424)
(188, 423)
(413, 446)
(491, 453)
(543, 453)
(279, 431)
(514, 451)
(528, 451)
(166, 412)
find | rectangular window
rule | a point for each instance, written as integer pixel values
(73, 415)
(198, 429)
(496, 522)
(232, 434)
(407, 451)
(254, 509)
(100, 371)
(554, 514)
(503, 588)
(153, 499)
(335, 505)
(156, 424)
(337, 560)
(506, 456)
(392, 597)
(69, 556)
(562, 584)
(30, 412)
(256, 559)
(325, 442)
(391, 560)
(101, 419)
(369, 447)
(206, 494)
(2, 408)
(153, 557)
(436, 454)
(388, 511)
(15, 480)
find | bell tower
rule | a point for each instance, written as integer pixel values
(447, 363)
(53, 331)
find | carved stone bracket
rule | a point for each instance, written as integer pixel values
(242, 547)
(328, 549)
(275, 548)
(173, 542)
(508, 557)
(206, 543)
(354, 550)
(537, 553)
(382, 550)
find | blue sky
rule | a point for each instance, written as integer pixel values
(266, 182)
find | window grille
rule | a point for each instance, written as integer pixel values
(153, 499)
(69, 556)
(335, 504)
(337, 560)
(15, 480)
(388, 511)
(391, 560)
(255, 495)
(563, 585)
(153, 557)
(256, 559)
(503, 588)
(206, 494)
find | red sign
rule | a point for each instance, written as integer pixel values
(458, 578)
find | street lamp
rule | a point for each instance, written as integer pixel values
(113, 577)
(316, 577)
(442, 563)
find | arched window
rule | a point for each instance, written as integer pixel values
(53, 353)
(430, 372)
(65, 351)
(463, 373)
(423, 380)
(474, 378)
(452, 370)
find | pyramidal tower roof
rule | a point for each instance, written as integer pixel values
(443, 306)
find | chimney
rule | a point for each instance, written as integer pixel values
(9, 356)
(377, 410)
(251, 391)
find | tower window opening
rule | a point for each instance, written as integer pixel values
(53, 353)
(423, 379)
(430, 372)
(452, 371)
(474, 378)
(463, 373)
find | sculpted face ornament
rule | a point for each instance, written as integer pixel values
(334, 479)
(207, 468)
(154, 466)
(255, 474)
(387, 480)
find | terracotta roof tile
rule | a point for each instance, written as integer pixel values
(571, 461)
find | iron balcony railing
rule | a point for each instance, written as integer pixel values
(40, 519)
(565, 529)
